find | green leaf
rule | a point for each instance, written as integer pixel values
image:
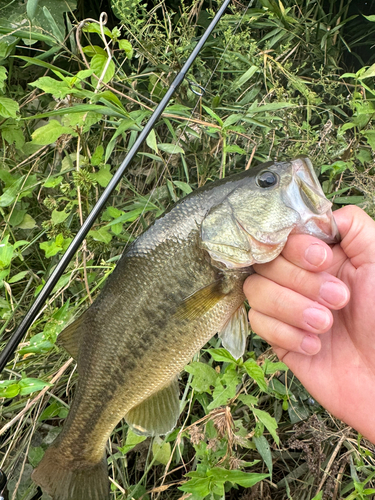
(10, 194)
(270, 368)
(59, 217)
(95, 28)
(273, 106)
(35, 455)
(256, 373)
(50, 133)
(199, 487)
(6, 253)
(172, 149)
(151, 141)
(248, 400)
(183, 186)
(264, 450)
(370, 136)
(132, 439)
(269, 423)
(97, 157)
(18, 277)
(98, 63)
(234, 149)
(225, 388)
(204, 376)
(59, 89)
(52, 247)
(214, 115)
(91, 50)
(101, 234)
(126, 46)
(222, 354)
(27, 223)
(161, 450)
(244, 479)
(29, 385)
(244, 78)
(8, 389)
(370, 72)
(53, 181)
(103, 176)
(370, 18)
(8, 107)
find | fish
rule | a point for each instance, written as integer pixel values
(176, 286)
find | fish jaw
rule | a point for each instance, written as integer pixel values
(306, 196)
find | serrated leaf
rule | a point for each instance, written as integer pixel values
(126, 46)
(172, 149)
(256, 373)
(204, 376)
(57, 88)
(98, 63)
(248, 400)
(370, 136)
(269, 423)
(50, 133)
(8, 107)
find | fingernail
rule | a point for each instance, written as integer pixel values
(317, 318)
(310, 344)
(316, 254)
(334, 293)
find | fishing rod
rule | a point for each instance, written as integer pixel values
(80, 236)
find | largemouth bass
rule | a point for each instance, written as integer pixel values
(176, 286)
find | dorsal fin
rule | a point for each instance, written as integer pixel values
(157, 414)
(70, 337)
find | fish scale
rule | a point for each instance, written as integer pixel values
(176, 286)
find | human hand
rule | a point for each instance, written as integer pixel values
(316, 307)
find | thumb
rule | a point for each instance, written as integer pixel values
(357, 231)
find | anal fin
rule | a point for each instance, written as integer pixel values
(233, 335)
(158, 414)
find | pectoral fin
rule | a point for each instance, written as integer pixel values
(158, 414)
(200, 302)
(233, 335)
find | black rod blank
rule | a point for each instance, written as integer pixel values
(80, 236)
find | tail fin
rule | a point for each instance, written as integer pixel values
(63, 483)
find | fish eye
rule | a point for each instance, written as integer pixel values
(267, 179)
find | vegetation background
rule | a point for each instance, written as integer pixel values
(281, 78)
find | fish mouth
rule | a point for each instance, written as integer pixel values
(307, 198)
